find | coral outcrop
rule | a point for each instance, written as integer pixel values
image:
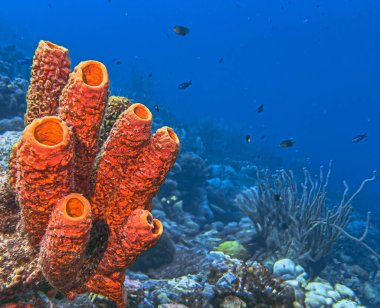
(81, 220)
(12, 96)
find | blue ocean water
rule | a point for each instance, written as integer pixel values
(314, 65)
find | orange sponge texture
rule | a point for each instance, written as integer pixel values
(50, 72)
(42, 172)
(85, 210)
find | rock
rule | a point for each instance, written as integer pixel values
(6, 142)
(294, 283)
(172, 306)
(314, 300)
(233, 302)
(285, 268)
(319, 288)
(345, 303)
(163, 298)
(334, 295)
(217, 225)
(344, 291)
(371, 293)
(13, 124)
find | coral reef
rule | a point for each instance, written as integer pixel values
(12, 124)
(6, 141)
(299, 225)
(12, 96)
(315, 293)
(81, 221)
(13, 62)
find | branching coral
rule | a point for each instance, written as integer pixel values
(294, 220)
(82, 220)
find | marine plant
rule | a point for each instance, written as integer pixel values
(294, 220)
(72, 213)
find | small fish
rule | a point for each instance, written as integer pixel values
(24, 61)
(156, 108)
(260, 108)
(220, 60)
(248, 138)
(181, 30)
(262, 137)
(185, 85)
(277, 197)
(49, 5)
(287, 143)
(150, 75)
(118, 62)
(359, 138)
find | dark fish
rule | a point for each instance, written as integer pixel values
(287, 143)
(220, 60)
(262, 137)
(181, 30)
(248, 138)
(150, 75)
(156, 108)
(49, 5)
(260, 108)
(185, 85)
(277, 197)
(359, 138)
(283, 225)
(118, 62)
(24, 61)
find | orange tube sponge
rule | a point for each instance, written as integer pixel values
(63, 246)
(50, 72)
(43, 172)
(82, 105)
(138, 233)
(137, 188)
(128, 137)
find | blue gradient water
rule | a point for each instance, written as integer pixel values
(314, 64)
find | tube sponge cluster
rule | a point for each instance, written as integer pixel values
(85, 208)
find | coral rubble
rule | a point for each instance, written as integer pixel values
(81, 220)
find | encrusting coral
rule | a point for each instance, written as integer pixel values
(82, 212)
